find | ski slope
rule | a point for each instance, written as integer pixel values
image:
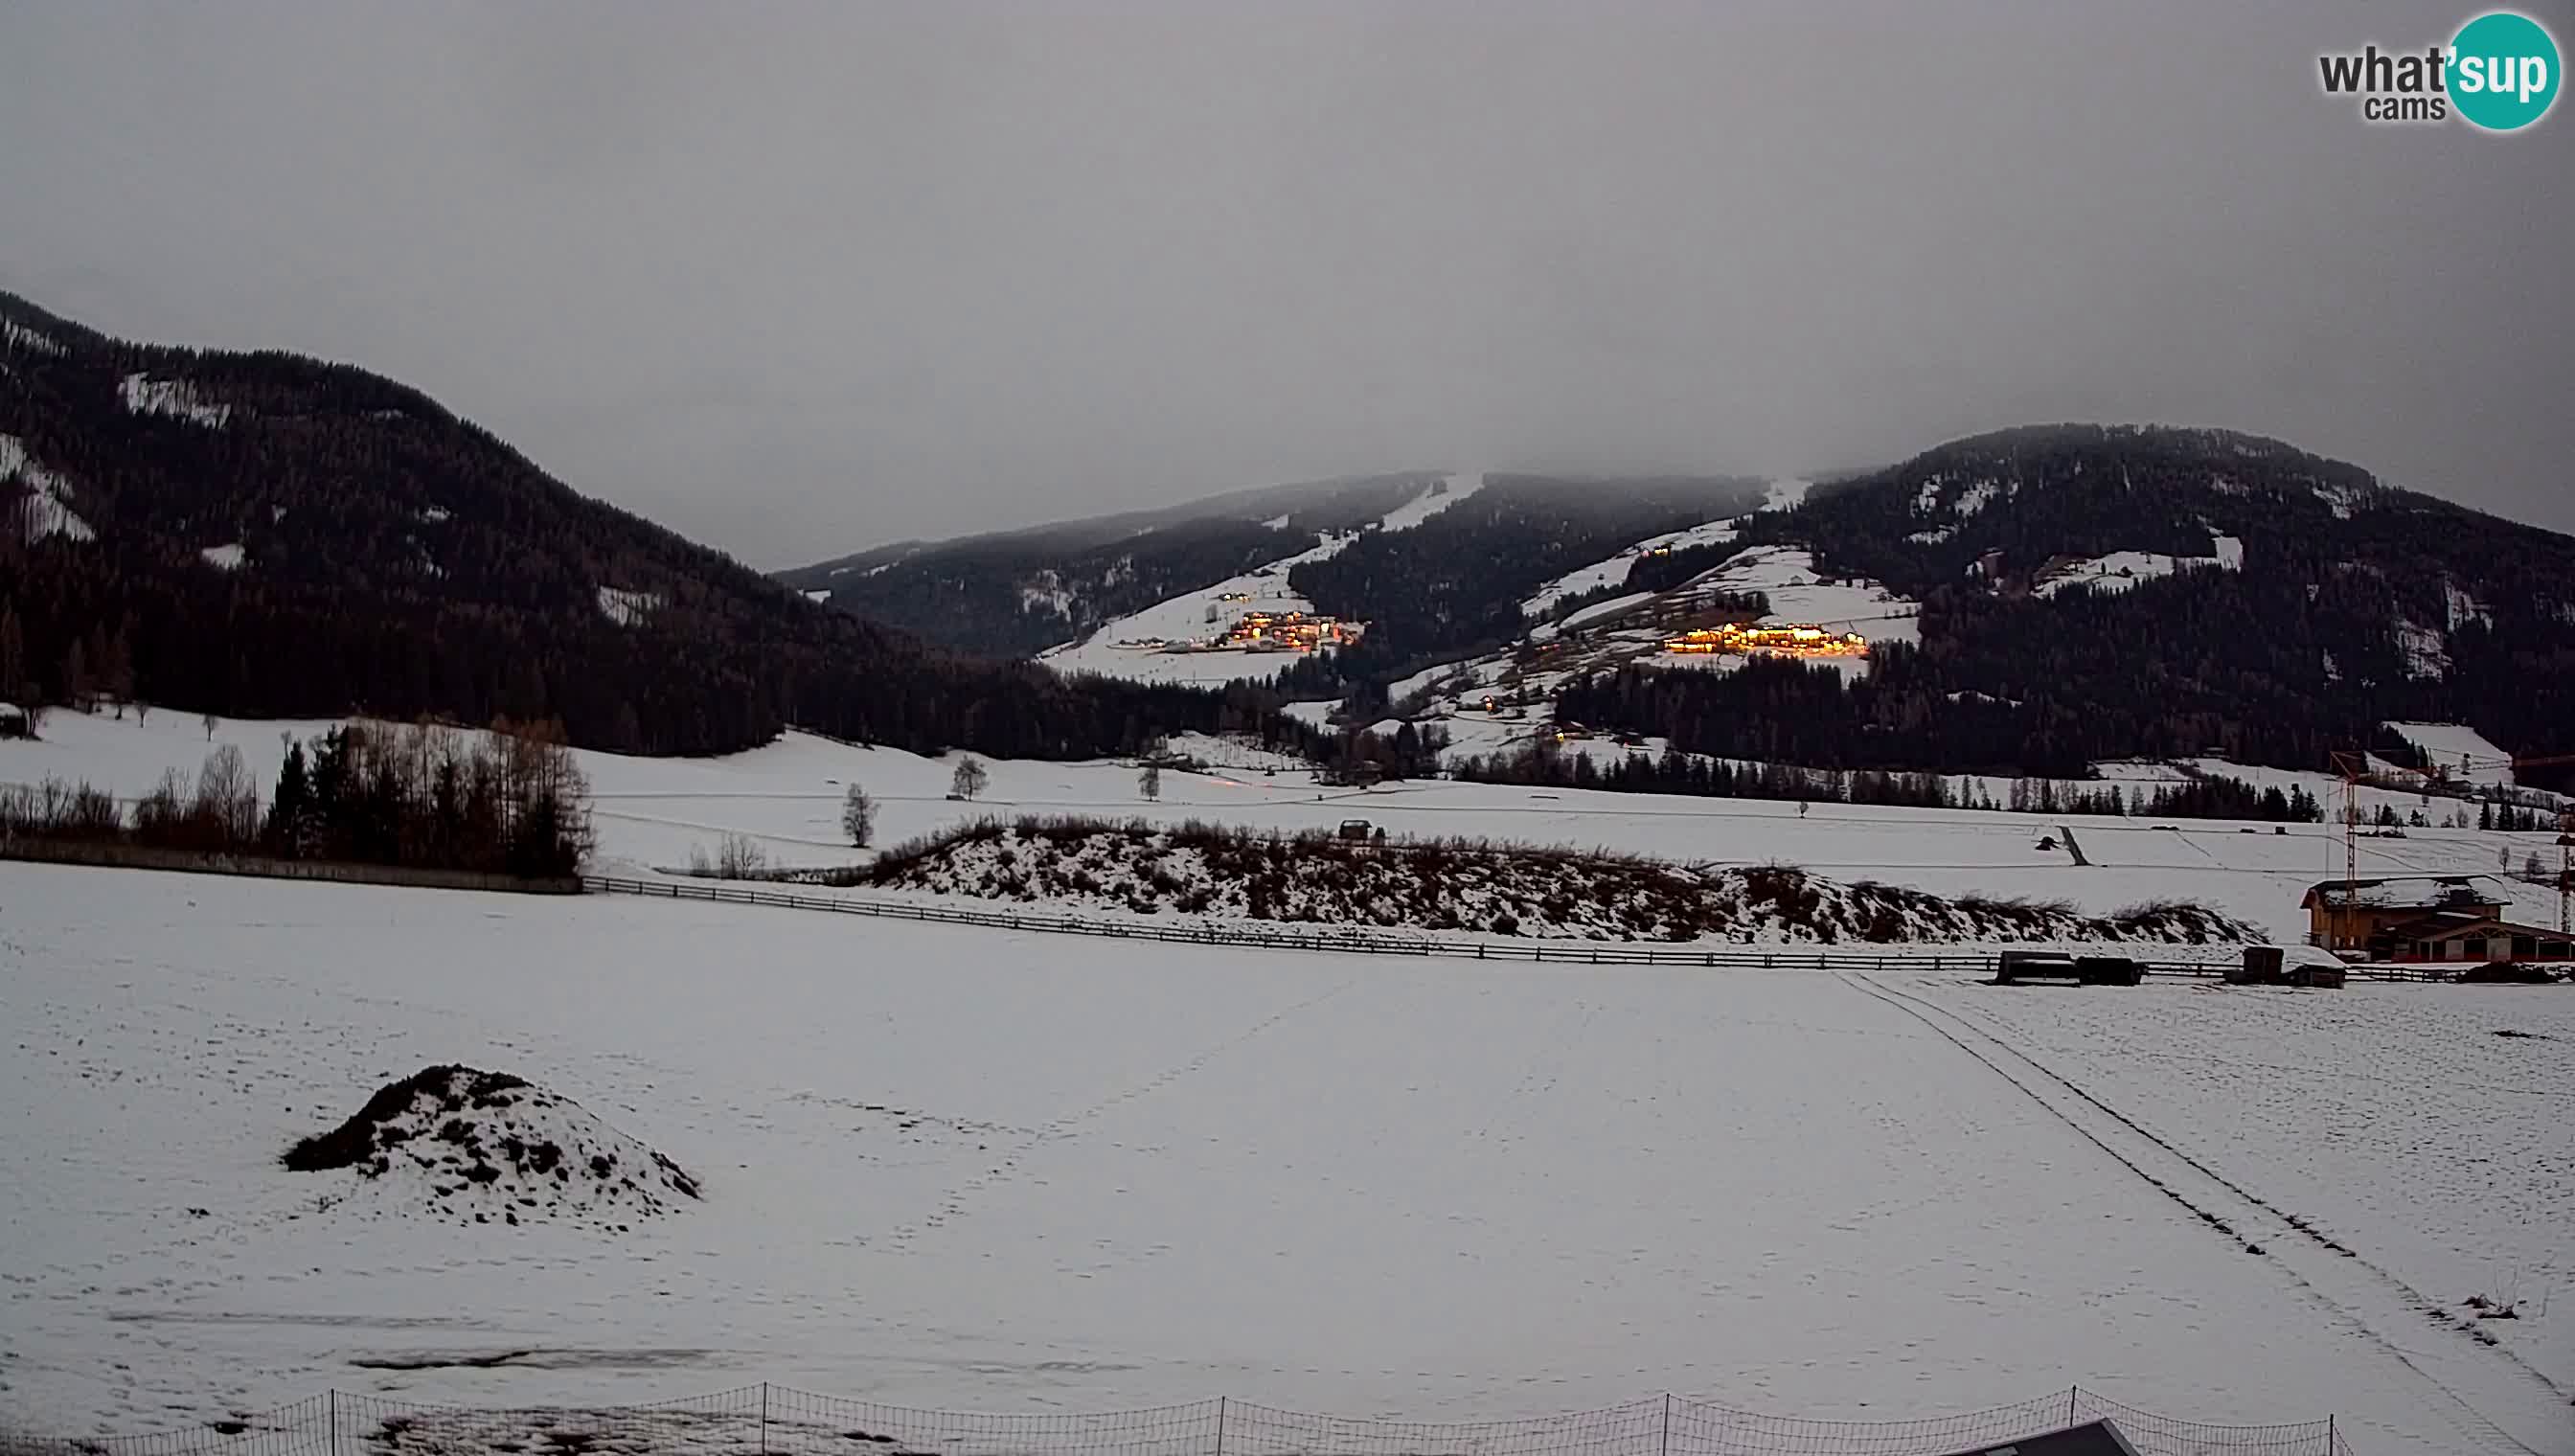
(961, 1168)
(1135, 647)
(2450, 744)
(1614, 570)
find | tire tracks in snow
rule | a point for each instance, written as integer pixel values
(2476, 1375)
(953, 1203)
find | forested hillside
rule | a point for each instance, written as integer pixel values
(1016, 594)
(1453, 583)
(2093, 593)
(265, 534)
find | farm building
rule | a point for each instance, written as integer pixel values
(2467, 936)
(2344, 914)
(2424, 918)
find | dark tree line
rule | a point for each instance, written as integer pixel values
(511, 802)
(402, 562)
(1675, 771)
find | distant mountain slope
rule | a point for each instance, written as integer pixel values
(2095, 593)
(265, 534)
(1455, 585)
(1018, 593)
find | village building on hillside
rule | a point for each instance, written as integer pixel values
(2431, 918)
(1287, 631)
(1792, 639)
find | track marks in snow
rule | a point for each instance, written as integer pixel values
(958, 1199)
(2501, 1400)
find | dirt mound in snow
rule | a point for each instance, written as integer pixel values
(1231, 873)
(487, 1148)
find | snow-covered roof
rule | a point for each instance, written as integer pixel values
(2407, 891)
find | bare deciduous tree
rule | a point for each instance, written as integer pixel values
(970, 779)
(737, 857)
(857, 817)
(226, 795)
(1149, 783)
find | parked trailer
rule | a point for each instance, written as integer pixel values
(2019, 968)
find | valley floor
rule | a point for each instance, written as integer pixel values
(652, 812)
(965, 1168)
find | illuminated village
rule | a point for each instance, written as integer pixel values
(1793, 640)
(1284, 632)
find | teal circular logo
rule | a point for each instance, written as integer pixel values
(2503, 71)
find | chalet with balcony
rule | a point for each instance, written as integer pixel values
(2446, 917)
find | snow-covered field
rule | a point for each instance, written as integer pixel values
(2122, 569)
(972, 1170)
(650, 812)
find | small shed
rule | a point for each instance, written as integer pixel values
(14, 722)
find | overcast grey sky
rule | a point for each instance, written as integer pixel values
(801, 278)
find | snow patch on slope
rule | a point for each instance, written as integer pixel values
(1614, 570)
(18, 336)
(2447, 744)
(2343, 501)
(176, 397)
(46, 509)
(1046, 593)
(223, 557)
(2426, 654)
(1457, 486)
(1598, 610)
(1787, 495)
(626, 608)
(2122, 570)
(2463, 608)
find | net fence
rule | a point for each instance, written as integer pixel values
(775, 1420)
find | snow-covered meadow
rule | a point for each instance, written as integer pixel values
(967, 1169)
(652, 812)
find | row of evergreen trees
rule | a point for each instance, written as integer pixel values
(1675, 771)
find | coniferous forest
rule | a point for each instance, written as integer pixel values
(270, 536)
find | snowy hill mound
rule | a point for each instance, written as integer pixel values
(1232, 875)
(468, 1146)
